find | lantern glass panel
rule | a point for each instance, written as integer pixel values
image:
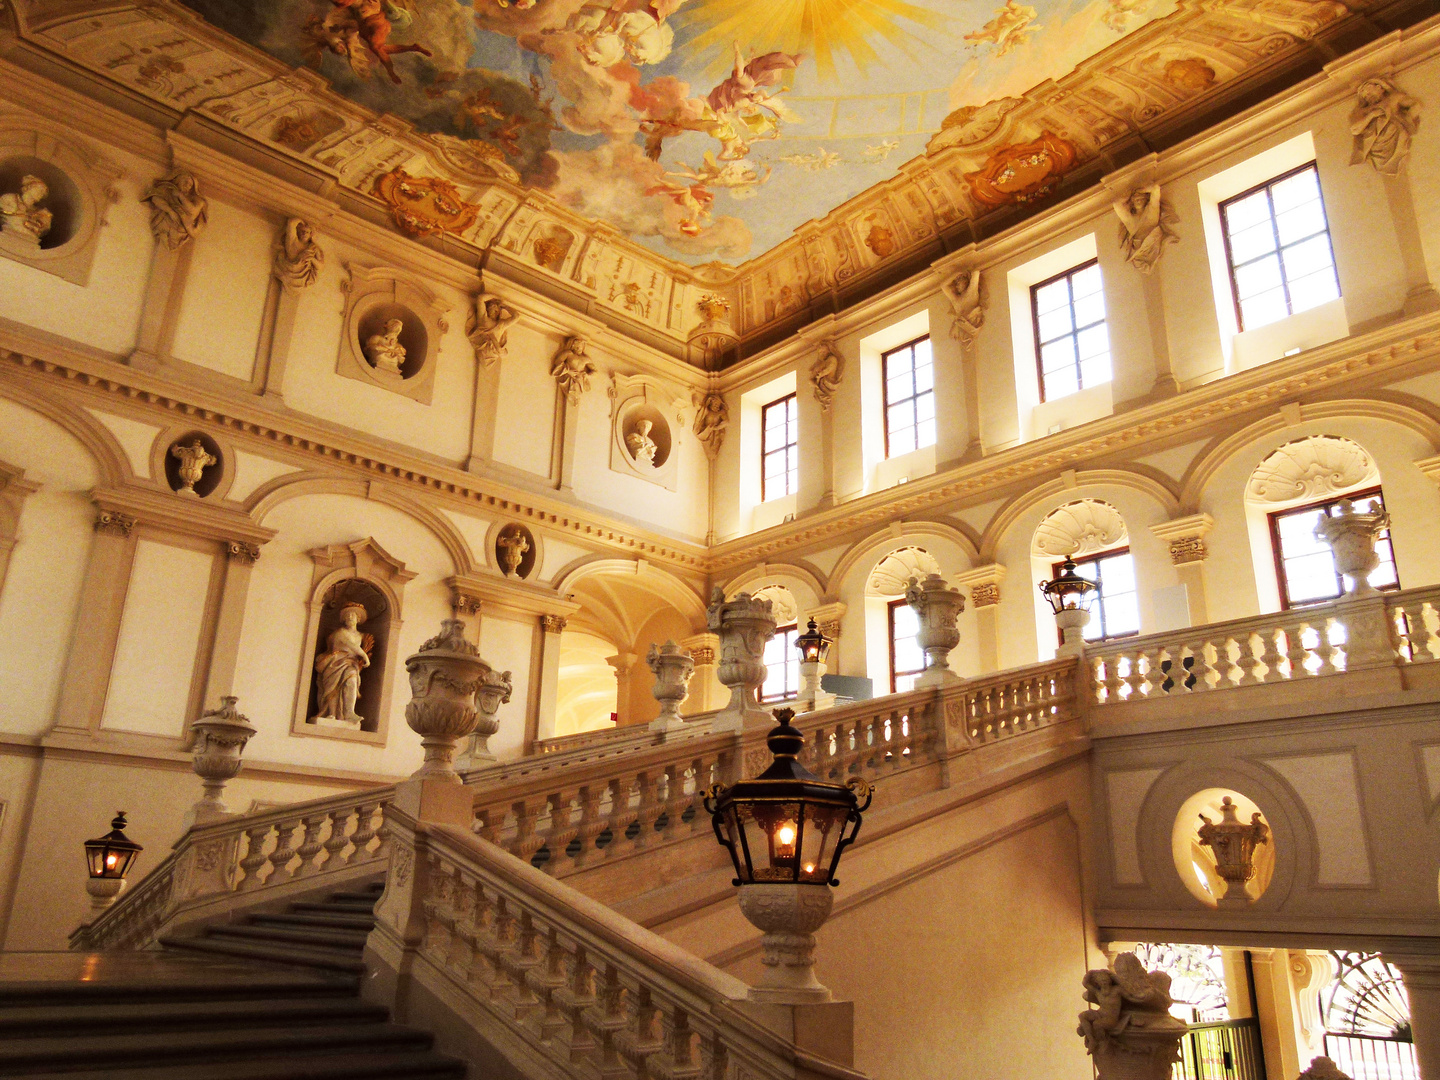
(772, 837)
(823, 825)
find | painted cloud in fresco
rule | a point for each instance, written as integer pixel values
(703, 129)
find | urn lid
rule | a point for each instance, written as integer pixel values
(226, 719)
(449, 644)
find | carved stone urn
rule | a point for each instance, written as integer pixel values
(220, 738)
(938, 606)
(744, 625)
(1233, 843)
(1352, 536)
(673, 667)
(444, 677)
(1130, 1033)
(788, 916)
(194, 460)
(495, 690)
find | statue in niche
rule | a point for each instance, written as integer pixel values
(967, 304)
(572, 369)
(642, 447)
(489, 327)
(1147, 224)
(299, 257)
(825, 375)
(337, 670)
(194, 460)
(178, 212)
(21, 215)
(1383, 122)
(712, 417)
(513, 546)
(384, 350)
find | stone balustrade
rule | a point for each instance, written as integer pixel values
(1011, 703)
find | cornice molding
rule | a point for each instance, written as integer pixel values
(507, 595)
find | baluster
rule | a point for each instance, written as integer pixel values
(1097, 680)
(578, 996)
(255, 857)
(484, 963)
(311, 848)
(525, 843)
(1270, 655)
(1245, 659)
(609, 1025)
(647, 813)
(286, 832)
(677, 1046)
(1134, 678)
(547, 979)
(1420, 635)
(1200, 669)
(1113, 679)
(382, 834)
(644, 1038)
(338, 840)
(1296, 651)
(1324, 649)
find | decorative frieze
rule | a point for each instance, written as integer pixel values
(986, 594)
(1188, 549)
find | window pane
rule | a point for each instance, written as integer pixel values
(921, 351)
(925, 434)
(1090, 310)
(1055, 323)
(1313, 290)
(1257, 277)
(1252, 243)
(924, 378)
(1264, 309)
(1096, 371)
(925, 407)
(1072, 348)
(1304, 186)
(1060, 383)
(1305, 220)
(1247, 212)
(1058, 354)
(1306, 563)
(1052, 296)
(1093, 342)
(1086, 282)
(1122, 614)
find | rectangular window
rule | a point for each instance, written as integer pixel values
(1072, 342)
(909, 398)
(779, 449)
(907, 659)
(1304, 564)
(1115, 612)
(782, 666)
(1277, 243)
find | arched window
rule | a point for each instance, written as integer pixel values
(1093, 533)
(782, 659)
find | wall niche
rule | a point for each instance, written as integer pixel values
(393, 330)
(644, 417)
(516, 552)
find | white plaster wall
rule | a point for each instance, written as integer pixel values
(224, 301)
(507, 644)
(525, 406)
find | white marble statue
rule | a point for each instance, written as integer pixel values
(178, 212)
(1147, 224)
(298, 257)
(194, 460)
(967, 304)
(22, 217)
(642, 447)
(826, 373)
(572, 369)
(712, 417)
(384, 349)
(1130, 1033)
(489, 327)
(1383, 122)
(338, 668)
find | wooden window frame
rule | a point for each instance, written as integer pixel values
(780, 631)
(766, 450)
(1059, 567)
(1273, 520)
(890, 638)
(885, 402)
(1279, 248)
(1074, 333)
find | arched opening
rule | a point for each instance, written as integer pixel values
(1094, 534)
(894, 657)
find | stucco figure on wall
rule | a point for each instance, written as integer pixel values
(298, 257)
(826, 373)
(967, 304)
(1147, 224)
(339, 668)
(513, 545)
(1383, 122)
(384, 349)
(489, 327)
(178, 212)
(194, 460)
(712, 417)
(642, 447)
(1130, 1032)
(22, 218)
(572, 369)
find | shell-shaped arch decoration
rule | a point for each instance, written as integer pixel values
(894, 571)
(1311, 468)
(1079, 528)
(782, 604)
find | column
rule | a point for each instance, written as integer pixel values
(956, 351)
(466, 607)
(1186, 538)
(622, 663)
(706, 693)
(984, 584)
(551, 627)
(160, 309)
(240, 556)
(276, 334)
(1421, 971)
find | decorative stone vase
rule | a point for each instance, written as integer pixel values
(444, 677)
(1352, 536)
(220, 738)
(788, 915)
(938, 606)
(744, 624)
(194, 460)
(1072, 622)
(1233, 843)
(672, 667)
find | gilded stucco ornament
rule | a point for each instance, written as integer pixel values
(712, 417)
(339, 669)
(488, 328)
(194, 460)
(1130, 1033)
(1233, 843)
(1147, 224)
(425, 205)
(178, 212)
(572, 369)
(299, 257)
(966, 294)
(384, 350)
(1382, 124)
(826, 373)
(22, 218)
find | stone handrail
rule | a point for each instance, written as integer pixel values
(1010, 703)
(580, 991)
(246, 853)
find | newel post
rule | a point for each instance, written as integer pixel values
(744, 624)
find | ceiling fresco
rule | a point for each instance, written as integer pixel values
(706, 130)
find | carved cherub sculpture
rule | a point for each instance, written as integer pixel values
(1383, 122)
(338, 668)
(572, 369)
(642, 446)
(21, 216)
(825, 375)
(384, 349)
(489, 327)
(967, 304)
(712, 417)
(298, 257)
(178, 212)
(1128, 1001)
(1147, 224)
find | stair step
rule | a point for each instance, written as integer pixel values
(31, 1021)
(326, 907)
(134, 1050)
(326, 986)
(340, 939)
(366, 896)
(337, 922)
(346, 960)
(376, 1065)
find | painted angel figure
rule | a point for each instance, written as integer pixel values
(178, 212)
(1147, 224)
(338, 668)
(967, 304)
(298, 256)
(1383, 122)
(489, 327)
(353, 26)
(21, 214)
(572, 369)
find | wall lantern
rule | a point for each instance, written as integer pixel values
(1068, 590)
(109, 859)
(813, 645)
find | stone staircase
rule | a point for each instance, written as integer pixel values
(274, 997)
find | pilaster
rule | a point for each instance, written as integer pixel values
(1186, 539)
(984, 585)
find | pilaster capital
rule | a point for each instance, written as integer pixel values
(984, 584)
(509, 595)
(114, 523)
(553, 624)
(1186, 537)
(242, 552)
(827, 618)
(622, 662)
(703, 648)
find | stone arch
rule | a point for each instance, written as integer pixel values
(904, 534)
(1147, 481)
(109, 456)
(804, 585)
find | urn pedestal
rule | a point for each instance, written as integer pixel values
(1072, 622)
(788, 915)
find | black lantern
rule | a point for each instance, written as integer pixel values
(1068, 590)
(813, 645)
(110, 856)
(787, 825)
